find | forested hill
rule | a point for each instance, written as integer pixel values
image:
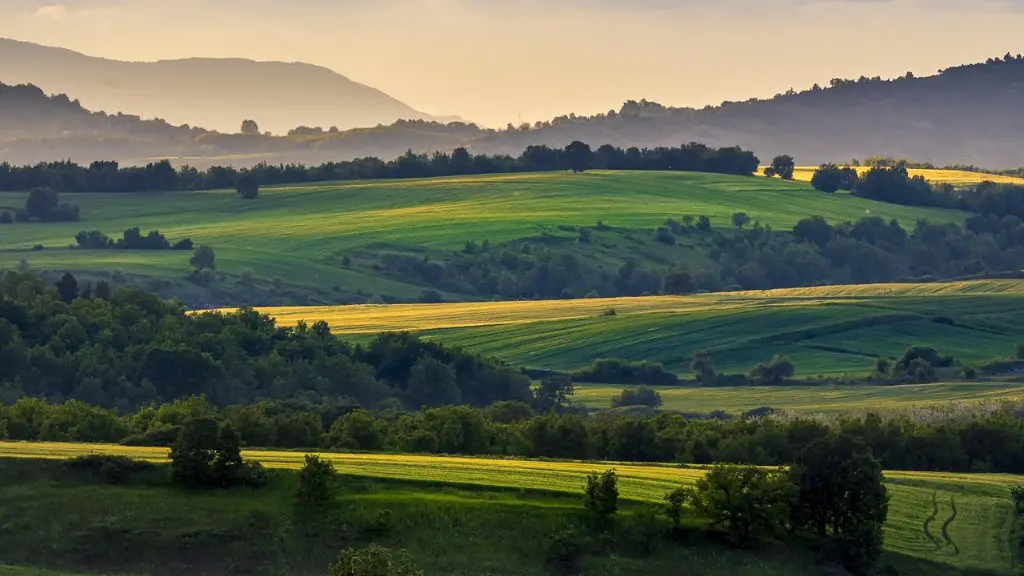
(963, 115)
(216, 93)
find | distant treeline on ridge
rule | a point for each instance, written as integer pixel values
(108, 176)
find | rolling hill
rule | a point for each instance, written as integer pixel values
(212, 93)
(826, 331)
(297, 237)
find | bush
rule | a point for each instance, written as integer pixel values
(665, 236)
(185, 244)
(373, 560)
(163, 437)
(643, 531)
(1017, 494)
(601, 495)
(382, 524)
(6, 217)
(254, 475)
(674, 501)
(316, 482)
(747, 501)
(566, 550)
(642, 396)
(109, 469)
(774, 373)
(22, 215)
(1020, 350)
(615, 371)
(430, 297)
(206, 455)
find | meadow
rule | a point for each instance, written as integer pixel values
(300, 233)
(937, 176)
(964, 520)
(831, 400)
(825, 331)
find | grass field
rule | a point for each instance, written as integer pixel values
(813, 399)
(299, 233)
(828, 330)
(954, 177)
(979, 534)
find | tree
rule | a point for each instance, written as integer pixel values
(553, 393)
(67, 287)
(740, 219)
(578, 156)
(773, 373)
(1020, 350)
(203, 259)
(840, 492)
(641, 396)
(373, 560)
(703, 367)
(433, 383)
(703, 223)
(41, 203)
(601, 496)
(745, 500)
(827, 178)
(783, 166)
(248, 186)
(206, 455)
(769, 171)
(677, 282)
(674, 501)
(316, 483)
(6, 217)
(813, 230)
(250, 127)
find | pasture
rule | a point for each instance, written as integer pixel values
(825, 331)
(814, 399)
(300, 233)
(964, 520)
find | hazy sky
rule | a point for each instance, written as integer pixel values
(496, 61)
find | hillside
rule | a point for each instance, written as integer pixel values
(922, 118)
(212, 93)
(825, 331)
(348, 242)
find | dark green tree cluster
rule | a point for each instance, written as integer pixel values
(131, 239)
(108, 176)
(43, 205)
(130, 348)
(640, 396)
(830, 178)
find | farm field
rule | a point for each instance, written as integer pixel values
(300, 233)
(937, 176)
(813, 399)
(825, 331)
(959, 519)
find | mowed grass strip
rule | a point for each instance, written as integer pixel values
(981, 530)
(813, 399)
(825, 330)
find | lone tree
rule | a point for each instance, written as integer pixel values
(250, 127)
(841, 497)
(206, 455)
(703, 367)
(740, 219)
(578, 156)
(248, 186)
(827, 178)
(203, 259)
(783, 167)
(67, 287)
(601, 496)
(316, 483)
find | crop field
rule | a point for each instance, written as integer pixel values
(938, 176)
(825, 331)
(961, 519)
(300, 232)
(814, 399)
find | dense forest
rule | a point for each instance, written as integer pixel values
(904, 117)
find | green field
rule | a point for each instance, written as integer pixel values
(813, 399)
(979, 535)
(825, 331)
(299, 233)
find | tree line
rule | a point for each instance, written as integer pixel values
(109, 176)
(987, 439)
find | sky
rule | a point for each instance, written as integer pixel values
(501, 61)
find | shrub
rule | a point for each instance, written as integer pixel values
(373, 560)
(185, 244)
(109, 469)
(1020, 350)
(566, 550)
(772, 374)
(382, 524)
(254, 475)
(641, 396)
(1017, 494)
(163, 437)
(6, 217)
(37, 247)
(664, 235)
(745, 500)
(430, 297)
(316, 482)
(674, 501)
(601, 495)
(206, 455)
(968, 373)
(22, 215)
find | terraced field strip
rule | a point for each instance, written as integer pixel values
(981, 527)
(816, 399)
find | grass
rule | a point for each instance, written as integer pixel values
(825, 331)
(299, 233)
(938, 176)
(979, 536)
(816, 399)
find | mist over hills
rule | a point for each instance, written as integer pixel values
(967, 114)
(215, 93)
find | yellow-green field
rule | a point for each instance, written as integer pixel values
(979, 534)
(938, 176)
(814, 399)
(825, 330)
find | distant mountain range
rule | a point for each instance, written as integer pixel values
(216, 93)
(964, 115)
